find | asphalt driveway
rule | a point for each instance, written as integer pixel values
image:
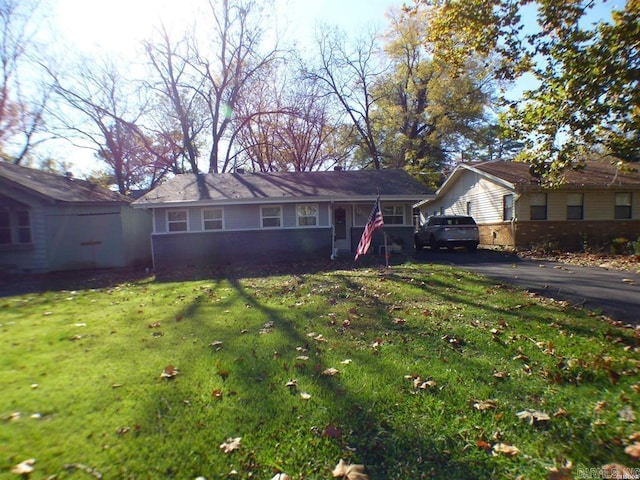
(613, 293)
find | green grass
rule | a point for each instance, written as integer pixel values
(88, 365)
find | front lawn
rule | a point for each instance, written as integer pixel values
(419, 371)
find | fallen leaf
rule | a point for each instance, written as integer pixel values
(485, 405)
(615, 471)
(154, 325)
(24, 468)
(231, 444)
(627, 414)
(305, 395)
(561, 473)
(482, 445)
(281, 476)
(350, 472)
(217, 344)
(633, 450)
(533, 416)
(600, 406)
(346, 361)
(501, 375)
(217, 394)
(331, 372)
(331, 431)
(293, 383)
(169, 372)
(505, 449)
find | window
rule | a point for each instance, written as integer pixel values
(538, 206)
(623, 206)
(271, 216)
(212, 219)
(575, 208)
(177, 220)
(15, 228)
(5, 227)
(469, 208)
(307, 215)
(393, 214)
(507, 207)
(24, 226)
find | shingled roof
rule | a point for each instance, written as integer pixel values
(56, 188)
(285, 186)
(593, 175)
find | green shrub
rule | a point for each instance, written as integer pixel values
(619, 246)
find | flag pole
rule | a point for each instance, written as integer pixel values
(386, 250)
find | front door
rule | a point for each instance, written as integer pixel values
(342, 230)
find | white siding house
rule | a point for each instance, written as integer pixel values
(513, 209)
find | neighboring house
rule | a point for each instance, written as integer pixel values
(242, 217)
(50, 223)
(592, 207)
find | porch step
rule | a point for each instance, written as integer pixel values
(343, 253)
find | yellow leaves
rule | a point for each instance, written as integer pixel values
(349, 472)
(231, 444)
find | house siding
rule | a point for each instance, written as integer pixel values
(84, 238)
(136, 228)
(483, 195)
(183, 250)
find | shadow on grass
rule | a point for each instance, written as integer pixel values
(343, 419)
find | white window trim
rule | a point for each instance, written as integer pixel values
(209, 219)
(317, 215)
(262, 217)
(394, 205)
(169, 222)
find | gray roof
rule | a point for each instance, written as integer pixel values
(56, 188)
(286, 186)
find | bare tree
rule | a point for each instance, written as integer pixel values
(347, 73)
(97, 108)
(206, 75)
(170, 63)
(22, 98)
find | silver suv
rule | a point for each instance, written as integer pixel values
(448, 231)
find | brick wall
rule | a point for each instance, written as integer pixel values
(571, 236)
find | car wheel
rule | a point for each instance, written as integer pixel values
(472, 247)
(433, 243)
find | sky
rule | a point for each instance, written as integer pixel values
(118, 25)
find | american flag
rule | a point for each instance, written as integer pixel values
(375, 222)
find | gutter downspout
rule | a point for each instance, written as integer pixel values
(516, 198)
